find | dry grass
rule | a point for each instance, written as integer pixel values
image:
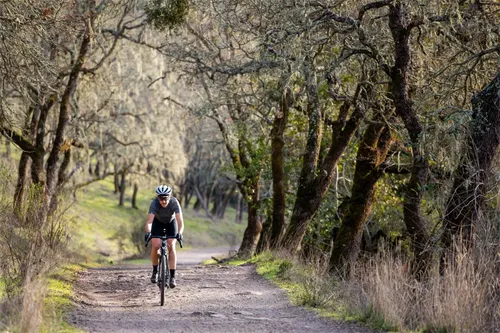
(463, 299)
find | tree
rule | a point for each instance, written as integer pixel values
(467, 195)
(45, 97)
(370, 166)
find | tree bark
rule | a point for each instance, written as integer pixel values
(279, 197)
(116, 179)
(371, 155)
(238, 217)
(265, 235)
(221, 211)
(123, 185)
(134, 196)
(254, 224)
(201, 201)
(416, 225)
(197, 204)
(22, 178)
(216, 200)
(316, 176)
(467, 195)
(97, 170)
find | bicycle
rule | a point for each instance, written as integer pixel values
(163, 263)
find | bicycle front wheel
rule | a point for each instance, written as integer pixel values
(163, 278)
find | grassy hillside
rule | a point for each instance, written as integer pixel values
(104, 231)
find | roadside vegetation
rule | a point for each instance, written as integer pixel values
(384, 296)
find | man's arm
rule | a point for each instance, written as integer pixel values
(149, 222)
(180, 222)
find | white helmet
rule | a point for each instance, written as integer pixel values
(163, 190)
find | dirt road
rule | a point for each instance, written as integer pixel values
(214, 298)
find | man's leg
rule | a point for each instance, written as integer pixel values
(155, 247)
(172, 261)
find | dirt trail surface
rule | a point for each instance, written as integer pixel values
(211, 298)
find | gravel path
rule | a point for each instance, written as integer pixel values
(208, 299)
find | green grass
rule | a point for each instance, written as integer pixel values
(199, 231)
(2, 287)
(103, 229)
(58, 301)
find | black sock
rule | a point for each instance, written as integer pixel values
(155, 268)
(172, 273)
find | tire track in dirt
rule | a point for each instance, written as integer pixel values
(208, 299)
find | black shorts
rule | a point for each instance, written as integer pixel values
(157, 228)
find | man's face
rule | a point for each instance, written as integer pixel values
(163, 200)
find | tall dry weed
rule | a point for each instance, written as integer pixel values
(318, 289)
(462, 300)
(388, 288)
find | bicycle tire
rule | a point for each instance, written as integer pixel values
(163, 278)
(167, 272)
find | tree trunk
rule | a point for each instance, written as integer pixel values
(467, 195)
(216, 199)
(116, 179)
(225, 202)
(123, 185)
(187, 199)
(372, 153)
(97, 170)
(416, 225)
(30, 133)
(62, 176)
(202, 202)
(197, 204)
(186, 192)
(302, 215)
(105, 165)
(238, 218)
(210, 193)
(279, 197)
(265, 236)
(134, 196)
(254, 225)
(22, 177)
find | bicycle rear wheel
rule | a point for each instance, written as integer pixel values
(163, 268)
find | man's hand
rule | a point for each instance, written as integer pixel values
(147, 236)
(178, 236)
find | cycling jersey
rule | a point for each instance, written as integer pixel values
(167, 214)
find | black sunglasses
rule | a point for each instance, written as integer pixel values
(163, 198)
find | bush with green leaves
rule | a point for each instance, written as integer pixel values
(166, 14)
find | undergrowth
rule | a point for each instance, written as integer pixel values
(383, 295)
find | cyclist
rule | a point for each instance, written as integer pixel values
(164, 213)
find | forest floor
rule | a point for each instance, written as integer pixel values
(208, 298)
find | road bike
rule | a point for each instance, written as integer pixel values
(163, 263)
